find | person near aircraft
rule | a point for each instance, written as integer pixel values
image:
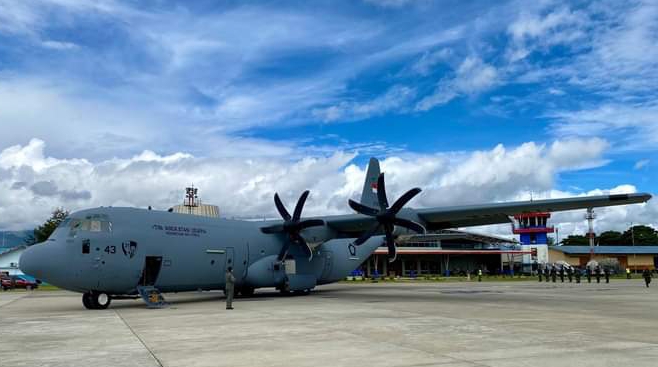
(547, 273)
(570, 274)
(230, 288)
(646, 274)
(553, 274)
(539, 274)
(606, 273)
(588, 273)
(562, 274)
(578, 274)
(597, 274)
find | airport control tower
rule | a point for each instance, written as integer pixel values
(533, 231)
(533, 228)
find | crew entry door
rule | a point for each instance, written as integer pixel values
(152, 265)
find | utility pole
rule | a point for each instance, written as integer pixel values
(633, 243)
(590, 221)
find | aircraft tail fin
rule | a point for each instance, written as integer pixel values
(369, 194)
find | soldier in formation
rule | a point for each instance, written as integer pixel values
(597, 274)
(588, 273)
(570, 274)
(562, 274)
(553, 274)
(578, 274)
(606, 273)
(646, 274)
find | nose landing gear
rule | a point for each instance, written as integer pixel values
(96, 300)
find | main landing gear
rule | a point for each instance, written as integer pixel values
(96, 300)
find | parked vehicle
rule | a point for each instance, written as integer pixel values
(18, 281)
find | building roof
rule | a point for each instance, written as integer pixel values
(438, 251)
(6, 251)
(619, 250)
(452, 234)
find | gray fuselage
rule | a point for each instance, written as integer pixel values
(114, 250)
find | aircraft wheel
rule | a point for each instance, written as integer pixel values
(86, 301)
(101, 300)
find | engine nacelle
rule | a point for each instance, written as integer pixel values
(266, 272)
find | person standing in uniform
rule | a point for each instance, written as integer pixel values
(606, 272)
(597, 274)
(588, 272)
(230, 288)
(562, 274)
(578, 274)
(628, 273)
(646, 274)
(479, 275)
(553, 274)
(539, 272)
(546, 273)
(570, 274)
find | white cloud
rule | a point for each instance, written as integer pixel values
(641, 164)
(473, 76)
(33, 183)
(395, 100)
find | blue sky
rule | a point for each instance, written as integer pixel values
(108, 84)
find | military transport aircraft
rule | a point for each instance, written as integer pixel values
(107, 252)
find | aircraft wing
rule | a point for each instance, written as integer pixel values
(495, 213)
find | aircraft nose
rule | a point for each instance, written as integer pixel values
(33, 261)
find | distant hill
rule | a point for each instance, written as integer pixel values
(11, 239)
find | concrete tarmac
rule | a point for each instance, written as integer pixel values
(384, 324)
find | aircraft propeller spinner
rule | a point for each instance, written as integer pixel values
(386, 216)
(292, 225)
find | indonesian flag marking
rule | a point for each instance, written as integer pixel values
(373, 186)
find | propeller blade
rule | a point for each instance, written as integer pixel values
(281, 208)
(416, 227)
(277, 228)
(363, 209)
(305, 247)
(404, 199)
(390, 243)
(381, 192)
(300, 205)
(284, 250)
(364, 237)
(311, 223)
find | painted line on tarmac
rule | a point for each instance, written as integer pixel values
(138, 338)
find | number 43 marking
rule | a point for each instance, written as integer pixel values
(111, 249)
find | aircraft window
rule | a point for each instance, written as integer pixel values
(92, 223)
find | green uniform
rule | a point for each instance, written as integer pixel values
(230, 289)
(647, 277)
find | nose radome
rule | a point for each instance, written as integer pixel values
(31, 263)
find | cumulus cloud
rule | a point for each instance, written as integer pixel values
(243, 187)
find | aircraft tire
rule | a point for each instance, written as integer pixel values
(101, 300)
(86, 301)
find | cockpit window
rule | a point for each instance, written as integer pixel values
(90, 223)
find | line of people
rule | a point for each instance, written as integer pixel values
(551, 273)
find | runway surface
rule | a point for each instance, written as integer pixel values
(365, 324)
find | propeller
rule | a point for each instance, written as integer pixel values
(386, 216)
(292, 225)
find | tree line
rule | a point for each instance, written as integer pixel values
(638, 235)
